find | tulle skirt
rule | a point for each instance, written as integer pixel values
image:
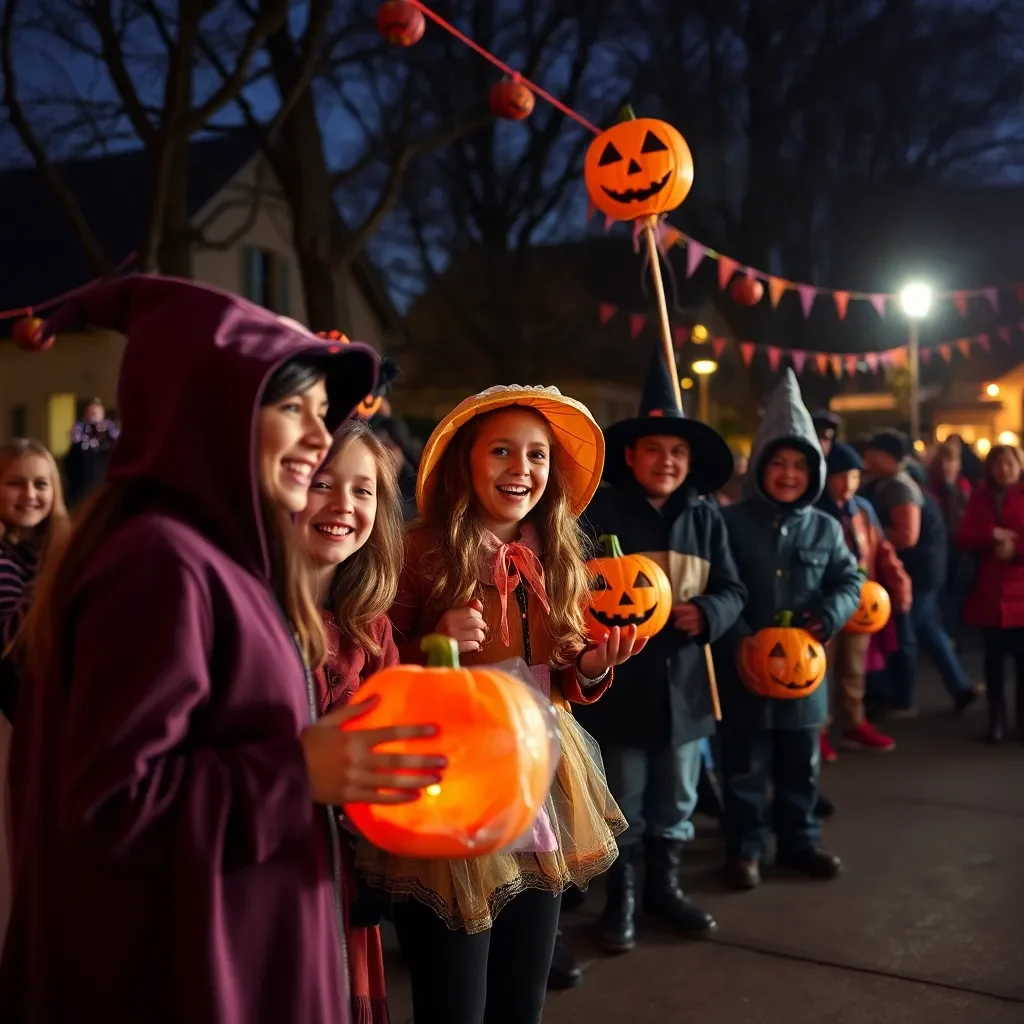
(469, 894)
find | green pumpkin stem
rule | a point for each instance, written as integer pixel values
(862, 569)
(784, 620)
(441, 651)
(610, 545)
(626, 113)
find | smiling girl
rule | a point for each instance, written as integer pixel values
(496, 563)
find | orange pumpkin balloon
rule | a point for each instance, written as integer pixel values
(747, 291)
(27, 334)
(626, 590)
(496, 737)
(873, 611)
(784, 662)
(401, 23)
(638, 168)
(511, 100)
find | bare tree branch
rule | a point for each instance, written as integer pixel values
(113, 56)
(254, 204)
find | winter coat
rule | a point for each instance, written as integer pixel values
(662, 696)
(791, 558)
(997, 600)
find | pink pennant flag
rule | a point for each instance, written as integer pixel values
(695, 253)
(851, 366)
(727, 266)
(774, 355)
(878, 301)
(680, 335)
(871, 358)
(960, 301)
(885, 358)
(747, 351)
(992, 294)
(842, 300)
(799, 359)
(926, 355)
(718, 347)
(946, 351)
(964, 344)
(807, 293)
(637, 322)
(1004, 334)
(776, 289)
(609, 223)
(606, 311)
(983, 340)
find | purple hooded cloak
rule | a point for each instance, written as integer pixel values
(170, 865)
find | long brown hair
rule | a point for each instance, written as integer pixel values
(452, 516)
(55, 526)
(364, 586)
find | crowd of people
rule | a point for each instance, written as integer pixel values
(180, 651)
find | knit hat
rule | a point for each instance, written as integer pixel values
(890, 442)
(826, 418)
(841, 459)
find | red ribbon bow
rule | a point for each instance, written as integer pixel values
(513, 563)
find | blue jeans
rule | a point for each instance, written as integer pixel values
(656, 790)
(790, 760)
(922, 626)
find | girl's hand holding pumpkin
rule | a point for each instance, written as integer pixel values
(344, 767)
(620, 645)
(465, 626)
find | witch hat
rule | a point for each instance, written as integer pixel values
(711, 463)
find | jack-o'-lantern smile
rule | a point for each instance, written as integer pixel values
(637, 195)
(800, 680)
(622, 621)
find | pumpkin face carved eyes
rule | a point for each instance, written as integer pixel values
(627, 590)
(784, 663)
(872, 612)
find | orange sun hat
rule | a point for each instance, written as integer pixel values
(579, 443)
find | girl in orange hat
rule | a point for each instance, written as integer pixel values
(497, 564)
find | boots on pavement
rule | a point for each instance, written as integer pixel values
(618, 922)
(663, 895)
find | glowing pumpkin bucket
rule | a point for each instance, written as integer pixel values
(501, 740)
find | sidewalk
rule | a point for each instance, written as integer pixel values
(925, 927)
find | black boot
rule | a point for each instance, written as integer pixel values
(564, 971)
(663, 895)
(618, 922)
(824, 808)
(812, 862)
(996, 718)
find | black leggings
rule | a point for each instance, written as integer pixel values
(1000, 644)
(498, 976)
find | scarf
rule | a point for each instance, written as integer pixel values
(505, 566)
(844, 513)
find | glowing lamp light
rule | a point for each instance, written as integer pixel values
(984, 445)
(919, 446)
(704, 367)
(992, 391)
(1010, 438)
(699, 334)
(916, 300)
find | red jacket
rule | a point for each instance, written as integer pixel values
(879, 559)
(997, 600)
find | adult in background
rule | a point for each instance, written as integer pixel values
(952, 490)
(827, 426)
(913, 523)
(92, 439)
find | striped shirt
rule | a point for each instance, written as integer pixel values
(18, 566)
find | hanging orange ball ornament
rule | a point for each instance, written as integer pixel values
(497, 739)
(626, 590)
(747, 291)
(638, 168)
(511, 100)
(401, 23)
(27, 334)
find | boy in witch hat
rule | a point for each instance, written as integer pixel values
(651, 722)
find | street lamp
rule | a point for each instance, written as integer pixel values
(916, 300)
(703, 368)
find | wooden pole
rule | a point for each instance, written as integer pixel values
(659, 292)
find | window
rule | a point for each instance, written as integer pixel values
(61, 417)
(19, 421)
(265, 279)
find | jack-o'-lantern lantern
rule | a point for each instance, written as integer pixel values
(511, 100)
(638, 168)
(497, 735)
(401, 23)
(747, 291)
(626, 590)
(783, 662)
(27, 334)
(873, 611)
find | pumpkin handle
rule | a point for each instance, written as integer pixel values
(626, 113)
(784, 620)
(441, 651)
(610, 545)
(863, 570)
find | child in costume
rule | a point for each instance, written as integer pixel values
(496, 563)
(791, 557)
(352, 529)
(651, 723)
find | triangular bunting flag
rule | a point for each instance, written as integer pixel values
(842, 300)
(837, 366)
(807, 293)
(964, 344)
(747, 351)
(637, 322)
(609, 223)
(946, 351)
(774, 355)
(960, 301)
(726, 268)
(695, 253)
(1004, 334)
(798, 359)
(983, 339)
(871, 358)
(718, 347)
(851, 366)
(681, 335)
(992, 294)
(777, 288)
(885, 358)
(670, 236)
(926, 355)
(821, 363)
(878, 301)
(606, 311)
(898, 357)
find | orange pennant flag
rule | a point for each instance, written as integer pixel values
(726, 268)
(898, 357)
(837, 366)
(964, 344)
(960, 301)
(946, 351)
(821, 363)
(776, 289)
(842, 301)
(851, 365)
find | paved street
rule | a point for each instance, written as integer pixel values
(926, 925)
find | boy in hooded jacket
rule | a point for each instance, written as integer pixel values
(792, 557)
